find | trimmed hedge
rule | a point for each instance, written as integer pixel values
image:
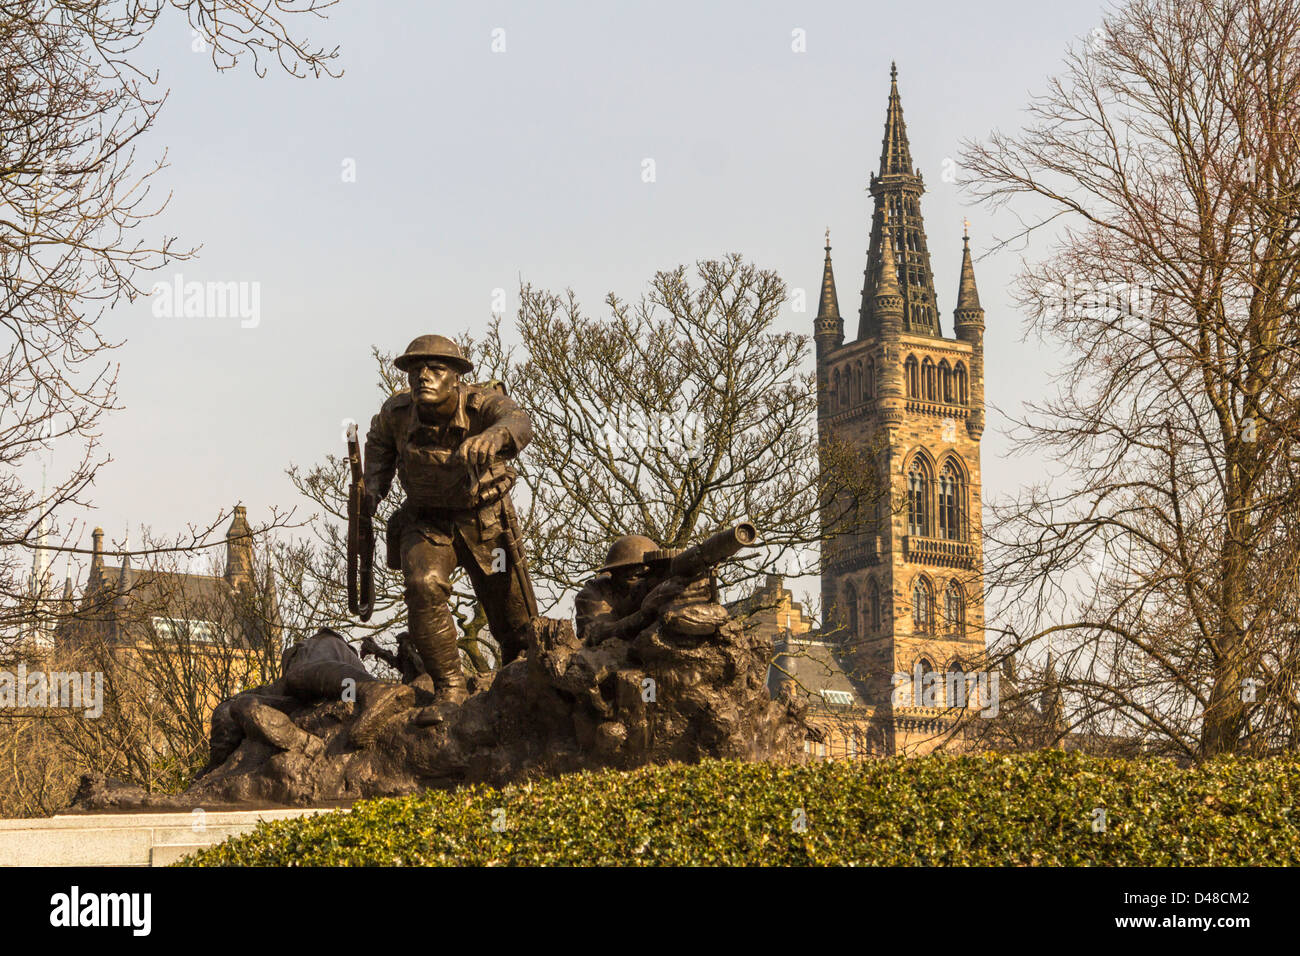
(989, 809)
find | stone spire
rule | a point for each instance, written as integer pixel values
(828, 327)
(968, 297)
(887, 287)
(898, 188)
(895, 155)
(239, 548)
(40, 556)
(123, 574)
(1051, 706)
(968, 324)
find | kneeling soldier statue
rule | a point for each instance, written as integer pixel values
(447, 442)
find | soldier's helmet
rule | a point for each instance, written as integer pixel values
(435, 346)
(629, 549)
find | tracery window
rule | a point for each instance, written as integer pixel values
(952, 496)
(954, 609)
(918, 498)
(922, 607)
(874, 616)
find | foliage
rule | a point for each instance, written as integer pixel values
(990, 809)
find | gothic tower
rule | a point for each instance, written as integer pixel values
(902, 584)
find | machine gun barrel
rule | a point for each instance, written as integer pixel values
(699, 560)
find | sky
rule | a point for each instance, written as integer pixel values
(399, 198)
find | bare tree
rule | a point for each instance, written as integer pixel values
(1163, 564)
(674, 415)
(74, 107)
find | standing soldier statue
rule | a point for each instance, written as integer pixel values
(448, 442)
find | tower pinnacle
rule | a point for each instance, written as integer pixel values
(968, 324)
(968, 297)
(829, 327)
(897, 189)
(895, 154)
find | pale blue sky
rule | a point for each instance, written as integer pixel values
(475, 168)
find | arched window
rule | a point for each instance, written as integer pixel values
(959, 373)
(835, 389)
(922, 606)
(952, 495)
(869, 382)
(954, 609)
(851, 610)
(955, 685)
(913, 380)
(945, 382)
(918, 498)
(859, 383)
(874, 617)
(927, 380)
(927, 691)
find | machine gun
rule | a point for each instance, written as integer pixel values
(695, 562)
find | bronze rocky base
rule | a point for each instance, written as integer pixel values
(659, 698)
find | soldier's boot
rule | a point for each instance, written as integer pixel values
(433, 633)
(512, 645)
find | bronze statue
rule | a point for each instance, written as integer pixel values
(312, 670)
(448, 442)
(639, 583)
(361, 537)
(689, 685)
(618, 602)
(405, 660)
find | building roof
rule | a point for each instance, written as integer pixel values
(120, 600)
(166, 587)
(814, 667)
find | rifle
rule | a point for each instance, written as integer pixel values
(703, 558)
(361, 537)
(516, 553)
(513, 539)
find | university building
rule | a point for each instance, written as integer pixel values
(901, 577)
(194, 638)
